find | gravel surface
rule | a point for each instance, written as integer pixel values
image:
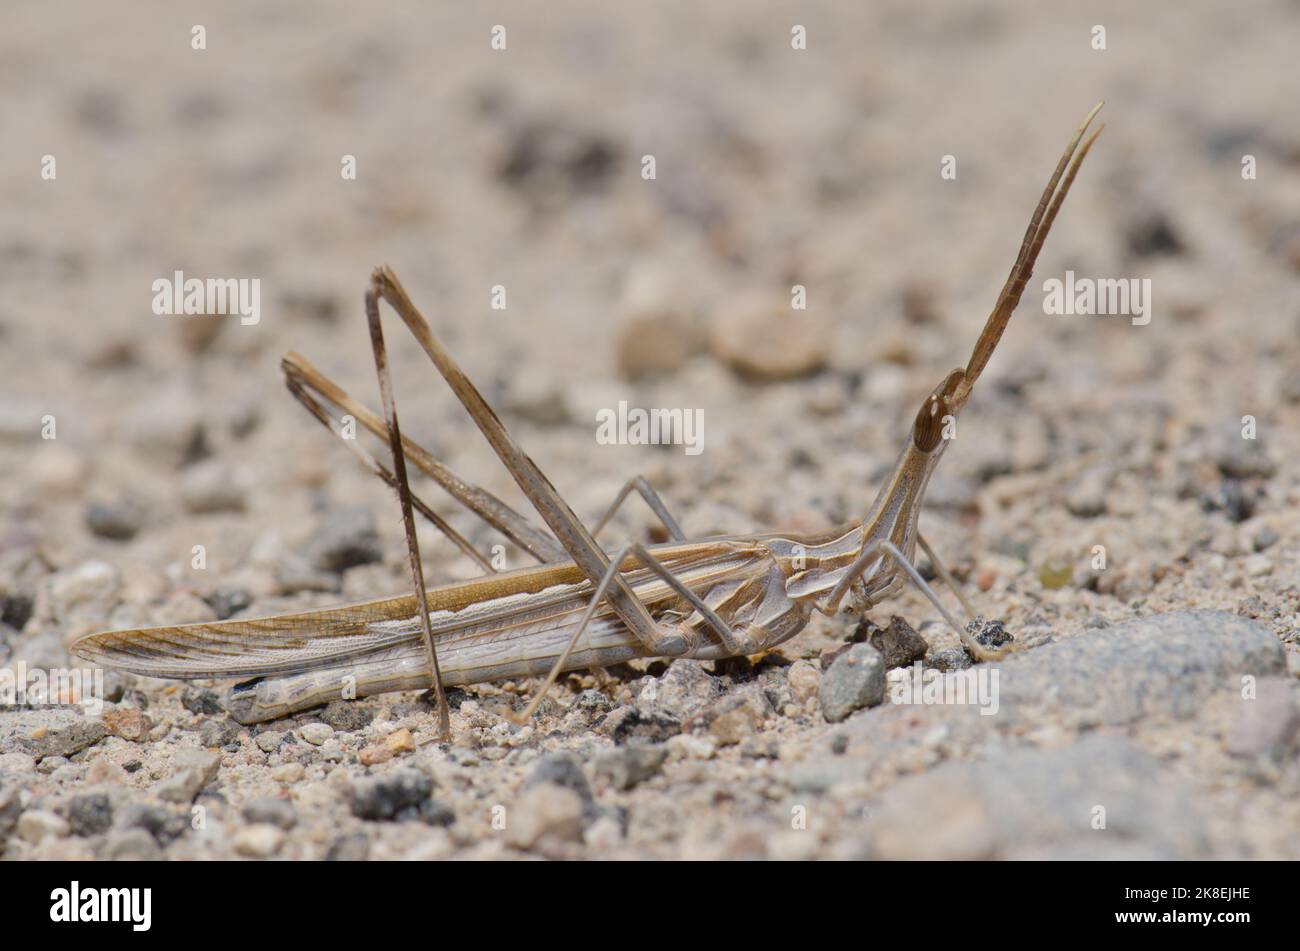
(1123, 497)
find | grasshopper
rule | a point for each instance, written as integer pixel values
(582, 606)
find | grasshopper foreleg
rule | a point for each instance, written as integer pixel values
(871, 553)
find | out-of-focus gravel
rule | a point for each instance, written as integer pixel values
(1153, 709)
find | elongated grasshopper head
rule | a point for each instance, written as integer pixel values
(935, 418)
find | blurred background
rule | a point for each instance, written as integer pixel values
(522, 168)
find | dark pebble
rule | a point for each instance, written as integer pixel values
(434, 812)
(16, 608)
(1230, 499)
(90, 814)
(593, 701)
(989, 633)
(163, 824)
(631, 765)
(119, 521)
(898, 643)
(218, 732)
(227, 602)
(347, 716)
(949, 658)
(399, 795)
(201, 702)
(640, 725)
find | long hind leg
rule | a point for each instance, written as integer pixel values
(549, 504)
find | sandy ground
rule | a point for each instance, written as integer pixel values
(774, 167)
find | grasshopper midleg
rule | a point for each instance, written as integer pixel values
(580, 607)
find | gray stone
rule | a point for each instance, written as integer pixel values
(90, 814)
(1166, 664)
(159, 822)
(210, 486)
(1264, 725)
(194, 770)
(684, 689)
(593, 701)
(948, 658)
(11, 807)
(202, 702)
(856, 680)
(734, 716)
(1028, 799)
(545, 811)
(898, 643)
(271, 810)
(218, 732)
(561, 769)
(631, 765)
(398, 795)
(268, 741)
(347, 716)
(49, 733)
(119, 521)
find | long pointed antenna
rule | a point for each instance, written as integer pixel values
(1035, 235)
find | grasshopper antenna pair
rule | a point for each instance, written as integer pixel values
(581, 607)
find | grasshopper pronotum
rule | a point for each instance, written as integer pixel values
(582, 607)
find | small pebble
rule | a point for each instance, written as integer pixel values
(259, 840)
(119, 521)
(271, 810)
(805, 680)
(127, 722)
(316, 733)
(374, 755)
(269, 740)
(765, 340)
(898, 642)
(347, 716)
(949, 659)
(399, 795)
(1257, 566)
(37, 824)
(90, 814)
(210, 486)
(545, 810)
(856, 680)
(400, 741)
(631, 765)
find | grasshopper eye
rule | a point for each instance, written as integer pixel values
(938, 406)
